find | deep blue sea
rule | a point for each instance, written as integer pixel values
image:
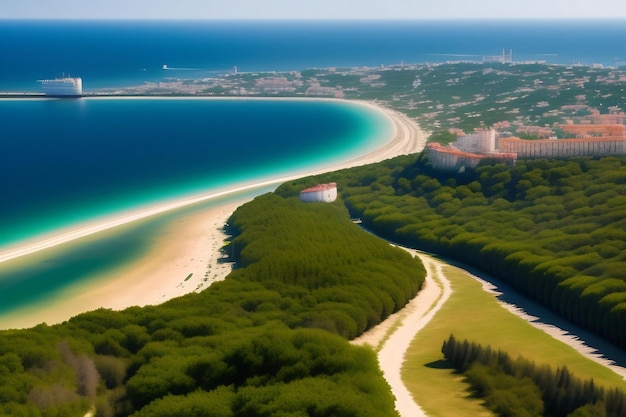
(64, 162)
(122, 53)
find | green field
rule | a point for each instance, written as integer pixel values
(473, 314)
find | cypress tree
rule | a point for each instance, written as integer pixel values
(562, 394)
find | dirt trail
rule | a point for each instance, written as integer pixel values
(391, 338)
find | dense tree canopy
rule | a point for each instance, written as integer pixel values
(269, 340)
(554, 229)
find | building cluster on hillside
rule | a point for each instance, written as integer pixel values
(615, 117)
(564, 148)
(588, 140)
(469, 150)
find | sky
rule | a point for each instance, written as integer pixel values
(312, 9)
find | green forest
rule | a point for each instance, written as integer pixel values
(270, 340)
(553, 229)
(520, 388)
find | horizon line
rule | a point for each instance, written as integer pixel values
(325, 19)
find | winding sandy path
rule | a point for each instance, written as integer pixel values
(391, 338)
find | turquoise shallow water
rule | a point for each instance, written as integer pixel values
(39, 279)
(67, 162)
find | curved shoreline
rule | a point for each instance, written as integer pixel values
(191, 247)
(396, 145)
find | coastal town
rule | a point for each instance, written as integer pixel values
(494, 109)
(524, 99)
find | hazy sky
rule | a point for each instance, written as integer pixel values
(311, 9)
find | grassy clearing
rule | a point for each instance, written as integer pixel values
(471, 313)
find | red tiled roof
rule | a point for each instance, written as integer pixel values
(320, 187)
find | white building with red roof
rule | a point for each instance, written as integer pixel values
(326, 193)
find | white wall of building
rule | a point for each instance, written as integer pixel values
(326, 193)
(483, 141)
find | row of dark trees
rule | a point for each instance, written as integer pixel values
(269, 340)
(554, 229)
(518, 387)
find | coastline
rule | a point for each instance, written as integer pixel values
(190, 246)
(80, 230)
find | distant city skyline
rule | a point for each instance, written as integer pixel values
(318, 9)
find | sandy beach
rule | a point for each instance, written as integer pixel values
(187, 257)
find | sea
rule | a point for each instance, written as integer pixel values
(126, 53)
(68, 162)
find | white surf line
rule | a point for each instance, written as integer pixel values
(124, 219)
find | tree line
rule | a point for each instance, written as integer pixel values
(271, 339)
(520, 388)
